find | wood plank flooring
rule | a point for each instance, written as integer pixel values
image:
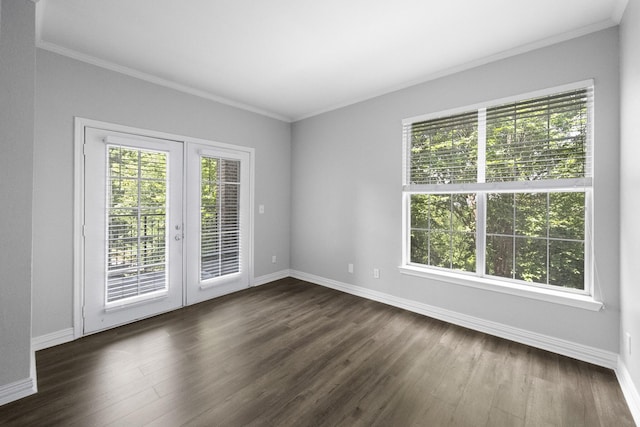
(294, 354)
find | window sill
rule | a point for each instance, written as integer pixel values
(549, 295)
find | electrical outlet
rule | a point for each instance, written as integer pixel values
(376, 273)
(274, 259)
(261, 209)
(350, 268)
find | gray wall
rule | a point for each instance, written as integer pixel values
(68, 88)
(17, 76)
(343, 174)
(630, 188)
(346, 188)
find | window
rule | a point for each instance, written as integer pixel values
(503, 191)
(219, 217)
(136, 216)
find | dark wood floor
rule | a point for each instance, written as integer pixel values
(295, 354)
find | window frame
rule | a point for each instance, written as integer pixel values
(583, 298)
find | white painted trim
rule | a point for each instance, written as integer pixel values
(116, 127)
(83, 57)
(268, 278)
(587, 84)
(89, 59)
(523, 290)
(567, 348)
(544, 186)
(21, 388)
(52, 339)
(252, 215)
(17, 390)
(39, 18)
(469, 65)
(78, 223)
(629, 390)
(78, 217)
(618, 11)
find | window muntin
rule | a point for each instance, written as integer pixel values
(443, 230)
(536, 237)
(523, 215)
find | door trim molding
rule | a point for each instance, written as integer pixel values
(78, 226)
(80, 124)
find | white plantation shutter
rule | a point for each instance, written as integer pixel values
(220, 217)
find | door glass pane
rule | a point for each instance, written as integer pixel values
(219, 217)
(136, 223)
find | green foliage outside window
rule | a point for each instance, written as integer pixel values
(136, 222)
(219, 217)
(532, 236)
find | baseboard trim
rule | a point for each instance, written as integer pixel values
(52, 339)
(582, 352)
(67, 335)
(629, 390)
(268, 278)
(17, 390)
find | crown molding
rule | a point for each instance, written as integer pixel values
(73, 54)
(618, 10)
(549, 41)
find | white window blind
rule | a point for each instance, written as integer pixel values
(136, 222)
(541, 138)
(544, 138)
(220, 217)
(444, 150)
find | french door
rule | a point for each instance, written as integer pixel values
(217, 253)
(160, 232)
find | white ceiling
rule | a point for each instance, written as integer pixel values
(291, 59)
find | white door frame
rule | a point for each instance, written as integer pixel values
(78, 206)
(99, 314)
